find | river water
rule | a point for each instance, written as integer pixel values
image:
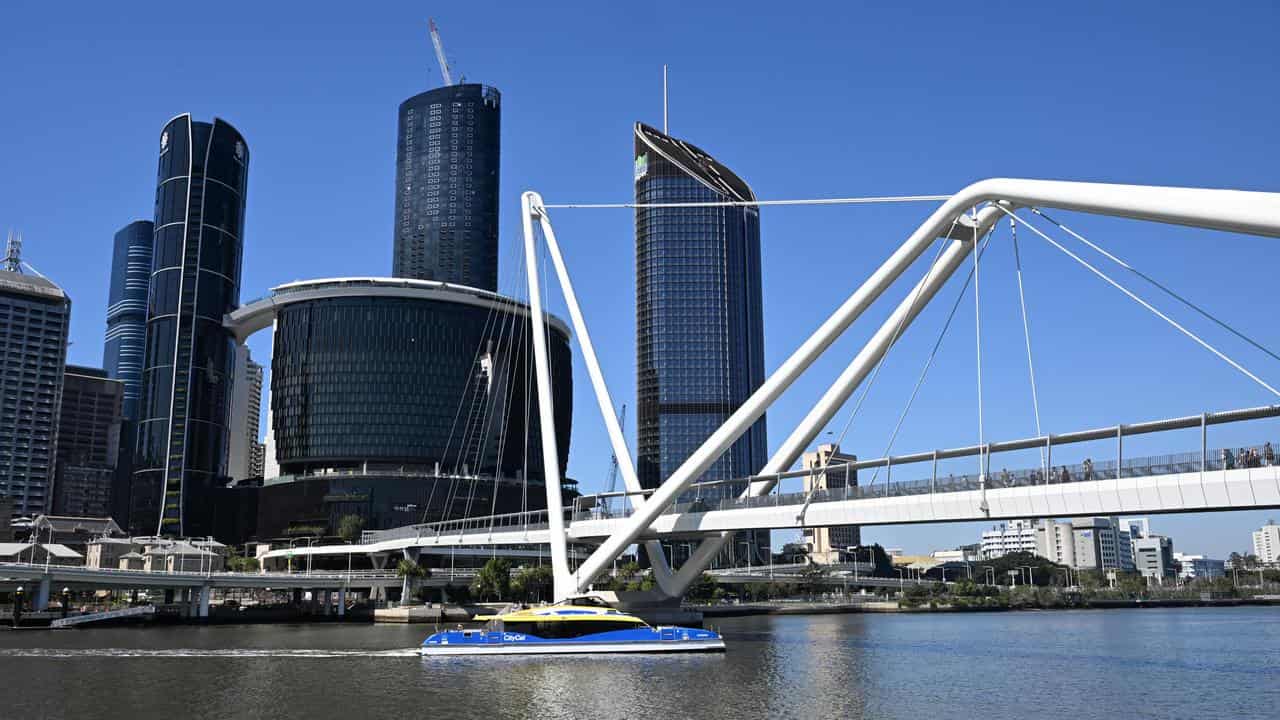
(1084, 665)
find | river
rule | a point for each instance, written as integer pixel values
(1084, 665)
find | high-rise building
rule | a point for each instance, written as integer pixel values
(127, 310)
(1096, 543)
(1196, 567)
(1266, 543)
(1153, 557)
(88, 442)
(190, 357)
(699, 319)
(35, 315)
(1011, 537)
(447, 152)
(829, 545)
(246, 409)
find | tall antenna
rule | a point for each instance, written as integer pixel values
(664, 99)
(435, 40)
(13, 253)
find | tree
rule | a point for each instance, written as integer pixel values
(704, 588)
(530, 584)
(812, 579)
(241, 564)
(411, 572)
(493, 582)
(350, 527)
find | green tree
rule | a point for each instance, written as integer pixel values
(704, 588)
(411, 572)
(531, 584)
(350, 527)
(493, 582)
(812, 579)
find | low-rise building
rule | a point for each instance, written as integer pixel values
(39, 554)
(74, 532)
(1153, 557)
(1266, 543)
(1011, 537)
(1195, 567)
(1096, 543)
(105, 552)
(179, 556)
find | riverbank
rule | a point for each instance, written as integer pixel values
(893, 606)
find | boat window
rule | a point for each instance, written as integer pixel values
(569, 628)
(589, 601)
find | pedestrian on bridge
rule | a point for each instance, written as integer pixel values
(1066, 475)
(1228, 460)
(1268, 455)
(1088, 469)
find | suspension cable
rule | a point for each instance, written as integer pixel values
(1144, 304)
(977, 331)
(1153, 281)
(1026, 331)
(870, 200)
(964, 289)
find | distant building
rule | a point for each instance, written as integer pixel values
(827, 544)
(190, 357)
(74, 532)
(964, 554)
(447, 159)
(105, 552)
(126, 333)
(1195, 567)
(88, 442)
(1266, 543)
(246, 409)
(35, 316)
(6, 514)
(39, 553)
(699, 322)
(1005, 538)
(1096, 543)
(1153, 557)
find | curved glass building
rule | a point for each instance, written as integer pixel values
(447, 151)
(127, 310)
(402, 401)
(699, 325)
(189, 358)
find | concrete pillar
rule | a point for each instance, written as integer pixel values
(297, 596)
(41, 602)
(205, 595)
(379, 560)
(342, 602)
(193, 604)
(168, 596)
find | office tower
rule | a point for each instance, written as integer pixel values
(34, 318)
(127, 310)
(190, 356)
(1266, 543)
(88, 442)
(246, 407)
(447, 151)
(699, 326)
(828, 545)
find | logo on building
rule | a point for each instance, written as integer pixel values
(642, 166)
(164, 140)
(239, 150)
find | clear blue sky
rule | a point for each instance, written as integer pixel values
(802, 100)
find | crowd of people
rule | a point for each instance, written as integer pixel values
(1248, 458)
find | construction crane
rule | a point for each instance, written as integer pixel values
(435, 40)
(613, 464)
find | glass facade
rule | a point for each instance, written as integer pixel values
(35, 315)
(189, 356)
(127, 310)
(699, 325)
(416, 384)
(88, 442)
(446, 220)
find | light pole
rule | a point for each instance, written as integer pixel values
(900, 579)
(990, 574)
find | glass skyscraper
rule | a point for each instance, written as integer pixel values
(189, 358)
(447, 151)
(35, 315)
(127, 310)
(699, 325)
(88, 443)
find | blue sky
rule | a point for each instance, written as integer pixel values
(811, 100)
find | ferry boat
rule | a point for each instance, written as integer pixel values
(577, 625)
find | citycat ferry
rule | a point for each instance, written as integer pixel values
(577, 625)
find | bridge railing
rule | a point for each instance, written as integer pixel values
(532, 520)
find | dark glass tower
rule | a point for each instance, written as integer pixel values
(699, 325)
(189, 358)
(88, 442)
(127, 310)
(447, 150)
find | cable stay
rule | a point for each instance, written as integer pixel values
(1143, 303)
(1026, 334)
(1153, 281)
(964, 289)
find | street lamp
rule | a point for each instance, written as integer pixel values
(990, 574)
(900, 579)
(17, 606)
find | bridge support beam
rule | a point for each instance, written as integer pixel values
(342, 602)
(41, 600)
(206, 593)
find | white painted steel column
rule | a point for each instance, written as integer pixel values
(889, 333)
(546, 411)
(661, 569)
(1229, 210)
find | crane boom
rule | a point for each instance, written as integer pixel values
(435, 40)
(613, 464)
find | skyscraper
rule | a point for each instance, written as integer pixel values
(189, 358)
(447, 150)
(699, 325)
(246, 408)
(88, 442)
(127, 310)
(35, 315)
